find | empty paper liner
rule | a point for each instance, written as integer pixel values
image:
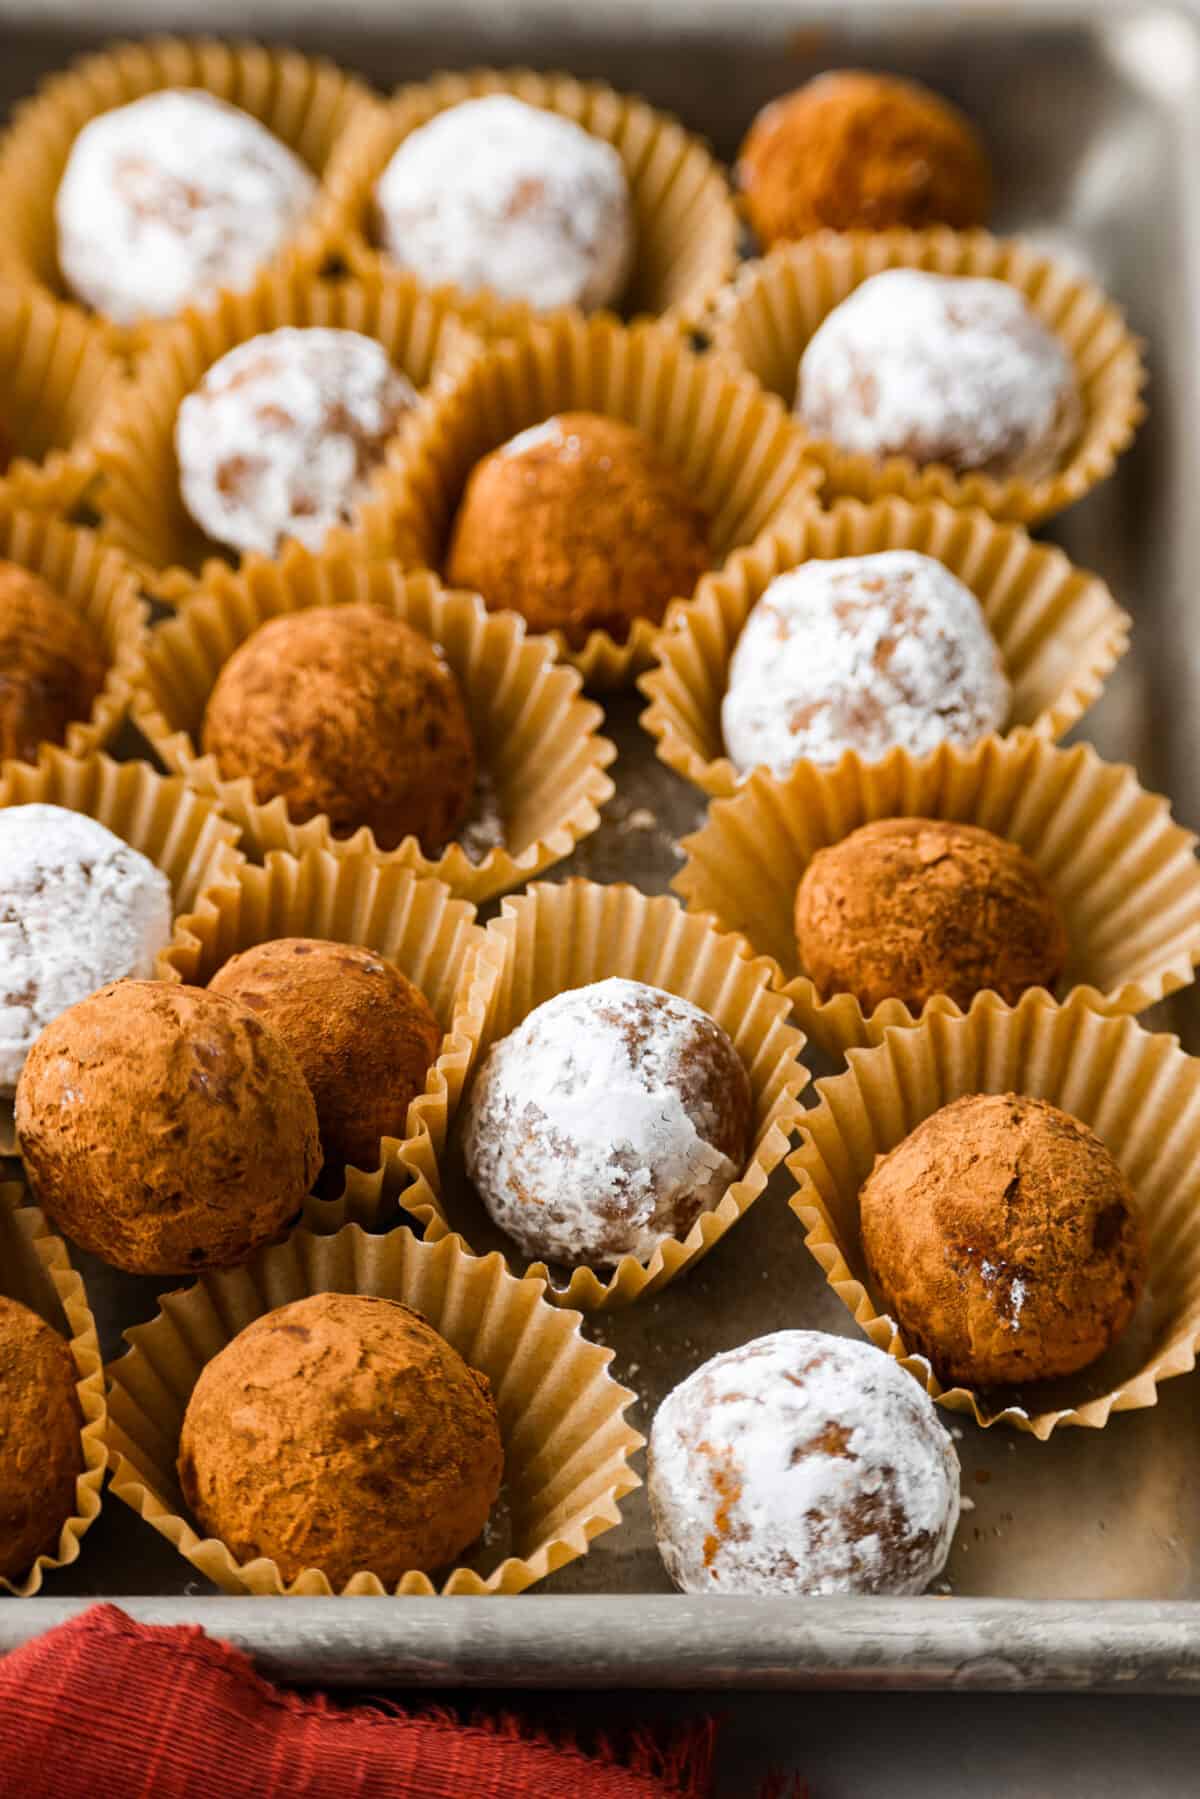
(181, 832)
(35, 1270)
(1058, 628)
(537, 738)
(1138, 1092)
(765, 319)
(735, 447)
(140, 502)
(97, 583)
(411, 922)
(1124, 878)
(56, 375)
(567, 1445)
(553, 938)
(304, 101)
(684, 220)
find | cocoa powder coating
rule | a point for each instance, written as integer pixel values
(52, 665)
(363, 1034)
(1004, 1239)
(342, 1433)
(907, 908)
(40, 1449)
(857, 151)
(346, 712)
(166, 1128)
(579, 524)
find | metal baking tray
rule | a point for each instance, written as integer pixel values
(1078, 1564)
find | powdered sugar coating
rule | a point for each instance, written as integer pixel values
(169, 199)
(862, 653)
(941, 368)
(497, 194)
(609, 1119)
(804, 1464)
(78, 908)
(280, 438)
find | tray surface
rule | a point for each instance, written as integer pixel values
(1088, 122)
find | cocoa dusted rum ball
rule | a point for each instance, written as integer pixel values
(52, 661)
(580, 524)
(853, 151)
(363, 1034)
(41, 1453)
(347, 713)
(907, 908)
(1004, 1239)
(343, 1433)
(165, 1128)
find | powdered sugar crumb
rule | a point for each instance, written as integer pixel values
(170, 198)
(280, 438)
(802, 1463)
(78, 908)
(941, 368)
(577, 1134)
(863, 653)
(494, 193)
(484, 829)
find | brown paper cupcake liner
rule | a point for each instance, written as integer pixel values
(34, 1269)
(686, 225)
(567, 1445)
(412, 922)
(538, 738)
(56, 376)
(552, 938)
(180, 831)
(304, 101)
(734, 445)
(1124, 877)
(141, 507)
(1140, 1094)
(1058, 628)
(98, 583)
(765, 319)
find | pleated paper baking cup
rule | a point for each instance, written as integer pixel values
(412, 922)
(567, 1445)
(56, 375)
(180, 831)
(1138, 1092)
(35, 1269)
(537, 737)
(1058, 628)
(140, 502)
(98, 584)
(1124, 877)
(766, 318)
(552, 938)
(735, 447)
(684, 218)
(304, 101)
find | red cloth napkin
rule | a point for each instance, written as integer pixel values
(103, 1708)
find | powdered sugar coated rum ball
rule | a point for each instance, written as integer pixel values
(802, 1464)
(951, 369)
(78, 908)
(612, 1117)
(495, 194)
(280, 438)
(167, 200)
(862, 653)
